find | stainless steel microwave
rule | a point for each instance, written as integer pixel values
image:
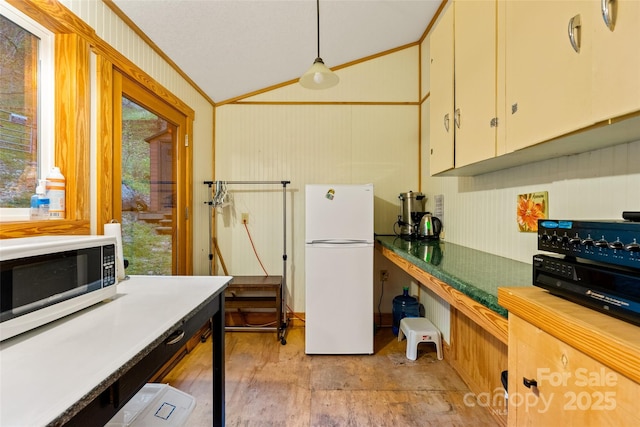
(44, 278)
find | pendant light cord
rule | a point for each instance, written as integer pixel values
(318, 26)
(318, 76)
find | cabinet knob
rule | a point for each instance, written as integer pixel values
(529, 383)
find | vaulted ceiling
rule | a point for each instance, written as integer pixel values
(233, 47)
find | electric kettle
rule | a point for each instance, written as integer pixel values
(430, 227)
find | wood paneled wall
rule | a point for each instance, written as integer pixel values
(358, 132)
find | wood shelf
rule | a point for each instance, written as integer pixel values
(247, 292)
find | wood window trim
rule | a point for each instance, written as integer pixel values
(109, 198)
(74, 40)
(72, 115)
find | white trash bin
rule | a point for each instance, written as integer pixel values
(155, 405)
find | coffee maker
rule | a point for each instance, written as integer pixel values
(411, 212)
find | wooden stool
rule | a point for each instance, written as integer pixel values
(417, 330)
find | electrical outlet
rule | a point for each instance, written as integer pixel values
(245, 218)
(384, 275)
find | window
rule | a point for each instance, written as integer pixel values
(26, 110)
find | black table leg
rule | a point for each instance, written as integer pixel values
(217, 337)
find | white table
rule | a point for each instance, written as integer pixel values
(87, 365)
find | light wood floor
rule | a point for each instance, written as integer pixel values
(269, 384)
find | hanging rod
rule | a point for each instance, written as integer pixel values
(210, 183)
(210, 202)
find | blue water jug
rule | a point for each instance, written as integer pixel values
(404, 306)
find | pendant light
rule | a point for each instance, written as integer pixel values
(319, 76)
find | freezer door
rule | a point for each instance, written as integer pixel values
(339, 213)
(339, 300)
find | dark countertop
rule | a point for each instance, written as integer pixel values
(475, 273)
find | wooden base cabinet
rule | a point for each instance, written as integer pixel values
(572, 388)
(553, 383)
(479, 358)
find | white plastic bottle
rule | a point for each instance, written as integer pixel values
(56, 186)
(39, 202)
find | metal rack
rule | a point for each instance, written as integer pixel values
(217, 198)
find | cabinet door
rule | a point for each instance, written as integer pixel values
(547, 82)
(572, 388)
(616, 59)
(441, 127)
(475, 81)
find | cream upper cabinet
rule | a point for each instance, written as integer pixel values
(475, 114)
(553, 76)
(441, 133)
(548, 70)
(463, 86)
(616, 58)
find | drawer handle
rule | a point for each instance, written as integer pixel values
(174, 338)
(529, 383)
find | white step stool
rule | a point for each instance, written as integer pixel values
(417, 330)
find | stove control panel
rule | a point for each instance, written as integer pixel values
(611, 242)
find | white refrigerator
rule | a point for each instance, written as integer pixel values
(339, 269)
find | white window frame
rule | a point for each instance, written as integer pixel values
(46, 106)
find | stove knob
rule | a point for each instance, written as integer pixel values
(575, 240)
(602, 243)
(565, 238)
(544, 237)
(554, 238)
(616, 245)
(633, 247)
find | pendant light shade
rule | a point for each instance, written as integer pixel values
(318, 76)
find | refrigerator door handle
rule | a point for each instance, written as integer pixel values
(331, 242)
